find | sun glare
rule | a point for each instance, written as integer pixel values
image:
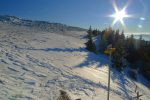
(119, 15)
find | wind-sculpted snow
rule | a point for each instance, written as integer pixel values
(36, 65)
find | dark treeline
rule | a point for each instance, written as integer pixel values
(128, 49)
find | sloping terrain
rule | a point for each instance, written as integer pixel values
(35, 65)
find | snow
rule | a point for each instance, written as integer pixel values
(35, 65)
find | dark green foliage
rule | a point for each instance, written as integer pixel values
(116, 61)
(90, 45)
(103, 44)
(111, 37)
(89, 33)
(145, 70)
(118, 42)
(95, 32)
(132, 74)
(118, 56)
(135, 51)
(130, 47)
(117, 35)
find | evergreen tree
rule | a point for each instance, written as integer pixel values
(118, 56)
(130, 47)
(103, 44)
(117, 35)
(90, 33)
(90, 45)
(111, 38)
(95, 32)
(122, 36)
(140, 41)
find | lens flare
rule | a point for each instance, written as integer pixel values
(119, 15)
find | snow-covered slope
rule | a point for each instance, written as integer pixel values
(37, 25)
(35, 65)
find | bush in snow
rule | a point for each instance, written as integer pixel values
(63, 96)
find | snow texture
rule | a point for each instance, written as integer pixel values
(35, 65)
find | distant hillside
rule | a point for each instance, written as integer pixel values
(39, 25)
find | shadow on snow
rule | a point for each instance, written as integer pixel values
(91, 59)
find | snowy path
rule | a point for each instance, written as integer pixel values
(36, 65)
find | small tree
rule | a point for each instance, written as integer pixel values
(90, 45)
(89, 33)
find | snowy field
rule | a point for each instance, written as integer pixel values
(35, 65)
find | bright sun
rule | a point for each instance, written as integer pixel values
(119, 15)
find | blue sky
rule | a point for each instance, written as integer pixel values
(82, 13)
